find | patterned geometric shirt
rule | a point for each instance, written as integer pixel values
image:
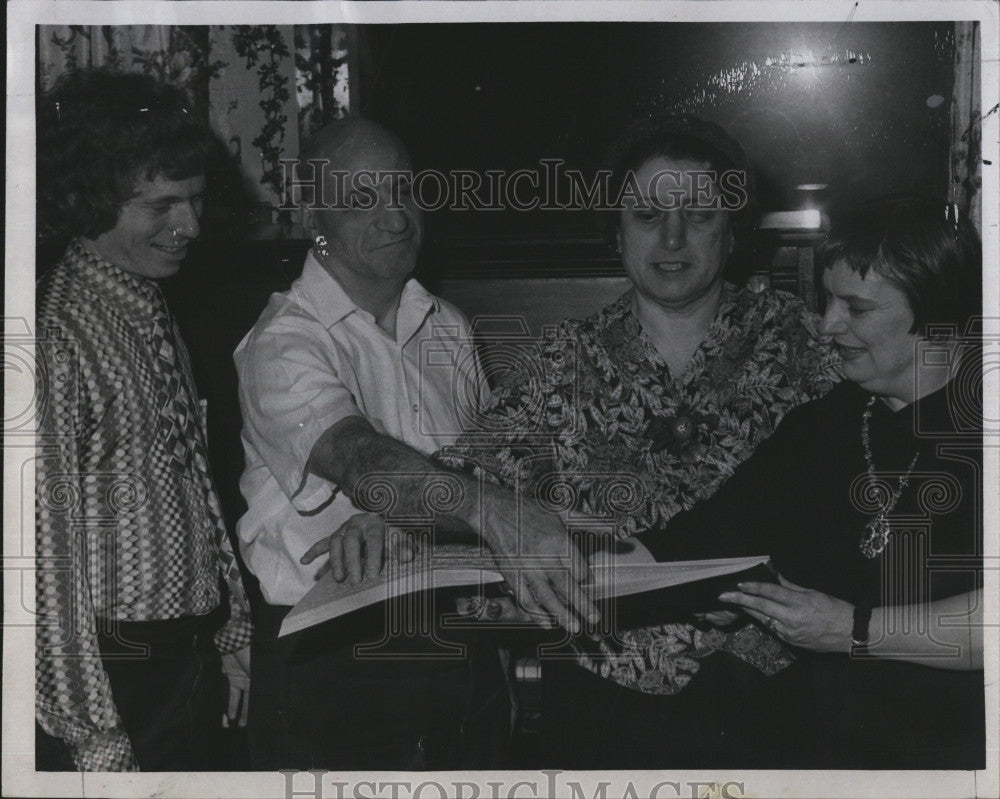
(128, 526)
(598, 429)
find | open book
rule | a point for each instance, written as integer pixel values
(636, 584)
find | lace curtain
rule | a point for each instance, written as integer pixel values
(262, 88)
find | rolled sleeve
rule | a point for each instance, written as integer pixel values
(290, 394)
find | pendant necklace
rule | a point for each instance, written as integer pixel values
(876, 533)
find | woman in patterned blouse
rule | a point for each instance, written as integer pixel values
(638, 413)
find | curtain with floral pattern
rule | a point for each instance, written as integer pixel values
(262, 88)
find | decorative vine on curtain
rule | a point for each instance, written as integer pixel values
(321, 67)
(262, 88)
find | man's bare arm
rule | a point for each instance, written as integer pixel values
(352, 450)
(531, 546)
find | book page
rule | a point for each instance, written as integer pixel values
(453, 565)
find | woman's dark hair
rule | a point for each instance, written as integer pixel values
(680, 136)
(923, 247)
(99, 134)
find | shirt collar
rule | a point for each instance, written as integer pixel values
(139, 294)
(622, 307)
(623, 328)
(324, 294)
(331, 304)
(415, 304)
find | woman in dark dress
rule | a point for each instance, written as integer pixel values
(870, 503)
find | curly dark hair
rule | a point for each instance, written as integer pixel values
(921, 245)
(679, 136)
(99, 134)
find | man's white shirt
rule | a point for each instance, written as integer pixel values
(314, 358)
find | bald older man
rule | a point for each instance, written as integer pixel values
(331, 389)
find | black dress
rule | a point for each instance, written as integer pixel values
(802, 497)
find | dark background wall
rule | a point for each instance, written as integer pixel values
(861, 107)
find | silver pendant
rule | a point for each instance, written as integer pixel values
(876, 535)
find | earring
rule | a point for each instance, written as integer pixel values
(320, 243)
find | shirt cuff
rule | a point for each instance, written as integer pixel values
(110, 750)
(234, 635)
(313, 493)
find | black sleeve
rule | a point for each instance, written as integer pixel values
(745, 515)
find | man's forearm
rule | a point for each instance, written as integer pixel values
(530, 544)
(365, 464)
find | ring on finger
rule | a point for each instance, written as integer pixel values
(474, 606)
(771, 624)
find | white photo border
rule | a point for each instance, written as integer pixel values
(19, 776)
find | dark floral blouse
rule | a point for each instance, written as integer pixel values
(592, 423)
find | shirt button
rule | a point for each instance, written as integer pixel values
(416, 408)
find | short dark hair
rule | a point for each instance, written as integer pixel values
(679, 136)
(99, 133)
(923, 246)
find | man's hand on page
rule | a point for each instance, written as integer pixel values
(358, 547)
(539, 561)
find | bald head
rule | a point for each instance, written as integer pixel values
(370, 225)
(343, 141)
